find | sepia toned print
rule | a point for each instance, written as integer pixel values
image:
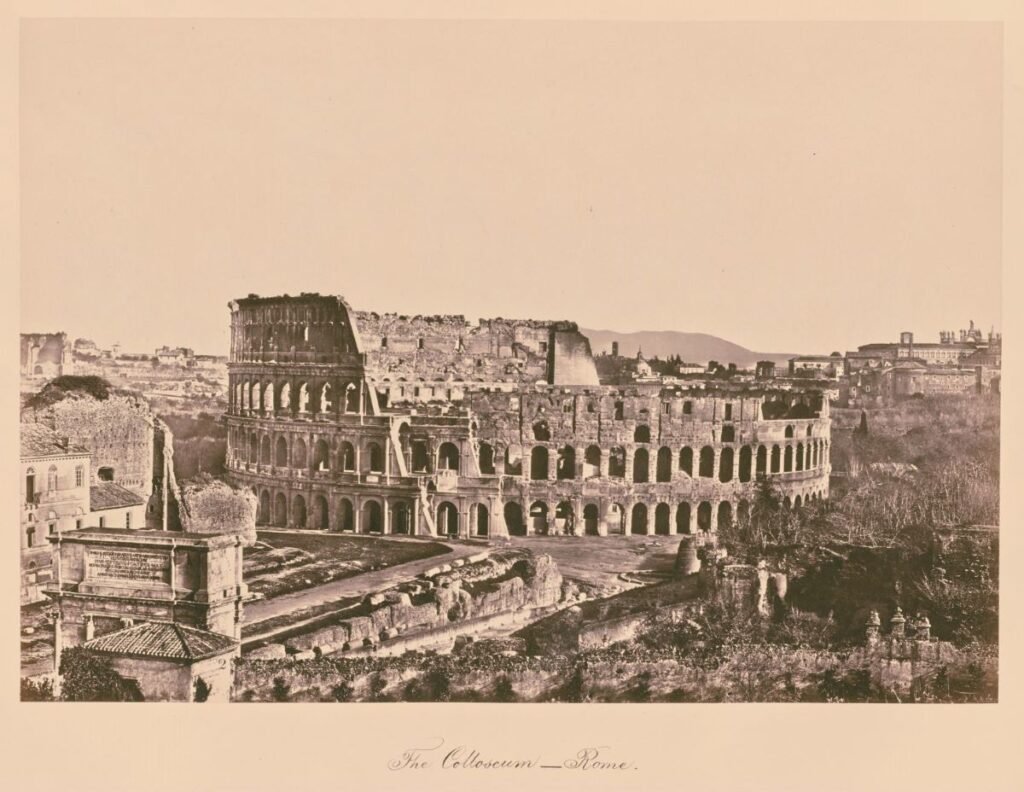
(320, 494)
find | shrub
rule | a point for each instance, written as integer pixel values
(36, 691)
(90, 678)
(202, 690)
(280, 690)
(503, 691)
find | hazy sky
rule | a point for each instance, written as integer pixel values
(789, 187)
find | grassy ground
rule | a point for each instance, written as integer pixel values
(323, 557)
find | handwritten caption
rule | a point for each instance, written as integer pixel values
(464, 757)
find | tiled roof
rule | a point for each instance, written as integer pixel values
(40, 440)
(164, 641)
(108, 495)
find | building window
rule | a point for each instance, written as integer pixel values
(128, 520)
(103, 522)
(543, 346)
(30, 537)
(51, 478)
(52, 528)
(728, 412)
(384, 342)
(30, 486)
(78, 525)
(79, 476)
(687, 408)
(419, 343)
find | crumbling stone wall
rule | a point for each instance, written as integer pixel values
(117, 430)
(504, 581)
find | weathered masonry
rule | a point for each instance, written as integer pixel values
(344, 421)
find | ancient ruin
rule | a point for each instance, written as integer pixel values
(347, 421)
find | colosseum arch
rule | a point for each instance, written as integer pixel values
(321, 455)
(725, 463)
(266, 397)
(281, 510)
(743, 512)
(281, 452)
(346, 515)
(539, 517)
(284, 396)
(641, 466)
(351, 398)
(686, 461)
(320, 518)
(514, 460)
(789, 432)
(704, 516)
(264, 512)
(776, 459)
(707, 462)
(265, 450)
(592, 462)
(565, 463)
(724, 515)
(303, 400)
(541, 432)
(401, 518)
(638, 519)
(642, 434)
(299, 457)
(481, 519)
(372, 517)
(447, 519)
(787, 465)
(254, 448)
(590, 519)
(762, 460)
(298, 512)
(799, 456)
(615, 519)
(663, 472)
(745, 455)
(565, 517)
(486, 459)
(346, 457)
(539, 463)
(448, 457)
(797, 502)
(617, 462)
(514, 519)
(375, 456)
(683, 518)
(662, 519)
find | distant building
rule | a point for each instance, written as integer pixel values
(54, 497)
(46, 355)
(826, 365)
(764, 370)
(951, 349)
(177, 356)
(113, 506)
(689, 368)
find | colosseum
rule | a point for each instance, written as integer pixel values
(342, 420)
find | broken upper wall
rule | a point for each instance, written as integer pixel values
(309, 328)
(449, 348)
(45, 354)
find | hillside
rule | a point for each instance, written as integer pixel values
(691, 347)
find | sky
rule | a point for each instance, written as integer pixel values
(787, 186)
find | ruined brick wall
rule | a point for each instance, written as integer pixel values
(118, 431)
(46, 355)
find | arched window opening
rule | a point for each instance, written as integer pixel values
(745, 455)
(321, 518)
(280, 510)
(686, 461)
(351, 398)
(664, 469)
(590, 519)
(724, 515)
(592, 462)
(346, 515)
(788, 463)
(420, 460)
(448, 457)
(615, 519)
(762, 460)
(264, 513)
(638, 521)
(299, 459)
(539, 518)
(372, 518)
(376, 457)
(641, 466)
(642, 434)
(298, 512)
(728, 434)
(707, 462)
(704, 517)
(483, 520)
(346, 457)
(514, 519)
(663, 519)
(321, 455)
(565, 465)
(541, 432)
(683, 518)
(487, 459)
(105, 474)
(539, 463)
(514, 460)
(725, 462)
(617, 462)
(799, 456)
(565, 518)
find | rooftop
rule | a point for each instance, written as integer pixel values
(39, 440)
(163, 641)
(108, 495)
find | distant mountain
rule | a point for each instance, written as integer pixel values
(691, 347)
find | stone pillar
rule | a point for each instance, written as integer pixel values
(629, 464)
(694, 507)
(357, 510)
(872, 629)
(552, 462)
(897, 624)
(578, 526)
(385, 516)
(603, 467)
(387, 460)
(924, 628)
(359, 462)
(415, 529)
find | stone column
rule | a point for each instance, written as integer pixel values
(357, 510)
(630, 452)
(603, 467)
(387, 459)
(385, 516)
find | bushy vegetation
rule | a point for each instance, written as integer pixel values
(60, 388)
(86, 677)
